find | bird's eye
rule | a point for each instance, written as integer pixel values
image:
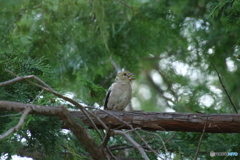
(125, 74)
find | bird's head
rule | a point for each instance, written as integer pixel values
(125, 76)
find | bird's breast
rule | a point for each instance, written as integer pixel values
(120, 96)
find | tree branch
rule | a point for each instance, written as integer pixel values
(167, 141)
(157, 135)
(225, 90)
(46, 87)
(132, 129)
(79, 131)
(167, 121)
(133, 142)
(161, 121)
(82, 135)
(18, 126)
(200, 140)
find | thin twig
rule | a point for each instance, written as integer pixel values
(99, 120)
(158, 137)
(28, 77)
(200, 140)
(134, 143)
(219, 77)
(148, 146)
(18, 126)
(117, 68)
(120, 147)
(167, 141)
(37, 96)
(8, 115)
(126, 5)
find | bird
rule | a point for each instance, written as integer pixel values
(119, 93)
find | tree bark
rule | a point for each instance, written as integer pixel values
(168, 121)
(156, 121)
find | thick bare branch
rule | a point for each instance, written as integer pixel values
(18, 126)
(36, 109)
(168, 121)
(162, 121)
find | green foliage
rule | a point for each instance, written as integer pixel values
(35, 134)
(22, 66)
(77, 46)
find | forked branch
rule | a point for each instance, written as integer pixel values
(133, 142)
(18, 126)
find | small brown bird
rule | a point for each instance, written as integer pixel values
(120, 92)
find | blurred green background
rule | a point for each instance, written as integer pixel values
(77, 47)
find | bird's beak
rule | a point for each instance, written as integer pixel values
(131, 76)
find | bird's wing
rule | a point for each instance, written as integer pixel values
(107, 98)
